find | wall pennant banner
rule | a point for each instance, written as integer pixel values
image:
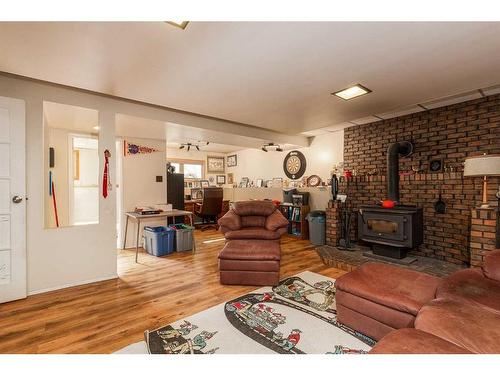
(133, 149)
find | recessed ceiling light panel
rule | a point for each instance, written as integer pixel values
(352, 92)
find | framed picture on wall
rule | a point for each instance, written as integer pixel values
(221, 179)
(232, 160)
(230, 178)
(215, 164)
(260, 182)
(204, 183)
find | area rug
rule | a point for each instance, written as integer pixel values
(296, 317)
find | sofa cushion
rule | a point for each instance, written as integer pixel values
(395, 287)
(254, 208)
(276, 221)
(250, 233)
(383, 314)
(414, 341)
(251, 250)
(230, 221)
(471, 285)
(469, 325)
(253, 221)
(491, 266)
(249, 265)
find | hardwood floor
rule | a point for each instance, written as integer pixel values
(106, 316)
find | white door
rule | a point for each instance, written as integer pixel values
(12, 200)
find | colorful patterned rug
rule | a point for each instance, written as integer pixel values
(298, 316)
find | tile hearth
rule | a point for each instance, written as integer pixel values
(349, 260)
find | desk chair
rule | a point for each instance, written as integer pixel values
(210, 208)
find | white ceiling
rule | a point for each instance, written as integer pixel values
(276, 75)
(77, 119)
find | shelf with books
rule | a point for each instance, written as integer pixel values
(296, 215)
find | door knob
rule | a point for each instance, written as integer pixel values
(17, 199)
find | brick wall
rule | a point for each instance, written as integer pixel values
(482, 235)
(451, 133)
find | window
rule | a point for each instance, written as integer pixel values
(192, 169)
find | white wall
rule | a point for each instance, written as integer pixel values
(324, 152)
(139, 186)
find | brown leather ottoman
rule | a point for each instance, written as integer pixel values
(377, 298)
(250, 262)
(413, 341)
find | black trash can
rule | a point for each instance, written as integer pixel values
(317, 227)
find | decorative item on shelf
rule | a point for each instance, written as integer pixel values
(232, 160)
(204, 183)
(221, 179)
(269, 183)
(133, 149)
(483, 166)
(230, 178)
(277, 182)
(436, 165)
(215, 164)
(170, 168)
(211, 179)
(244, 182)
(372, 172)
(347, 173)
(313, 180)
(294, 165)
(259, 182)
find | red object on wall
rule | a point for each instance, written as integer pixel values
(387, 203)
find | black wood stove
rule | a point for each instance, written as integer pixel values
(392, 231)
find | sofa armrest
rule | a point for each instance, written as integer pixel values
(276, 221)
(491, 267)
(230, 221)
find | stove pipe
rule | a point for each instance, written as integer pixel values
(403, 148)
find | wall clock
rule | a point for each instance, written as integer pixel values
(294, 165)
(313, 180)
(436, 165)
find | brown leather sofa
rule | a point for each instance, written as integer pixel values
(252, 252)
(463, 315)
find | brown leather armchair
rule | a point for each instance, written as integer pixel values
(252, 252)
(253, 220)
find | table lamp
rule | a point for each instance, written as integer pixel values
(483, 166)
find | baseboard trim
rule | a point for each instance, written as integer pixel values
(78, 283)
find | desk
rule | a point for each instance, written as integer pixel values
(138, 218)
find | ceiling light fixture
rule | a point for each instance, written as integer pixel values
(180, 24)
(352, 92)
(271, 146)
(189, 145)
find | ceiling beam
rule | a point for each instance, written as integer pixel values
(20, 86)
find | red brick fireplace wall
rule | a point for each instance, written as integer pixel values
(451, 133)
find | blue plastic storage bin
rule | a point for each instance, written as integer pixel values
(159, 241)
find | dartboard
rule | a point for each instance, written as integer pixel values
(294, 165)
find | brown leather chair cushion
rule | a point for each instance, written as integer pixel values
(251, 233)
(230, 221)
(254, 208)
(413, 341)
(251, 250)
(276, 221)
(471, 285)
(469, 325)
(491, 266)
(253, 221)
(391, 286)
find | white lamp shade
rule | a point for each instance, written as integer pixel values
(486, 165)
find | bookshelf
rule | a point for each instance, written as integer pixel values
(296, 215)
